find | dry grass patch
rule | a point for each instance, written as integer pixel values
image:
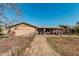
(66, 46)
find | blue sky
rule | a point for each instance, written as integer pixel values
(50, 14)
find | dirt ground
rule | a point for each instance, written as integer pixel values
(39, 47)
(21, 41)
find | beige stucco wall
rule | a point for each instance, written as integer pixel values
(23, 29)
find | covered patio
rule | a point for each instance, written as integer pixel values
(50, 31)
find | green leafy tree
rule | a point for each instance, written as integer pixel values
(77, 30)
(77, 27)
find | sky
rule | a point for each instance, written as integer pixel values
(49, 14)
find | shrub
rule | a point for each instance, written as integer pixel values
(77, 30)
(1, 29)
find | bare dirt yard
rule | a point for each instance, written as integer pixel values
(41, 45)
(65, 45)
(16, 44)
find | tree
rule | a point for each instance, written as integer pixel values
(68, 29)
(6, 10)
(64, 26)
(77, 27)
(77, 23)
(77, 30)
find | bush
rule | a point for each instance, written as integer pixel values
(1, 29)
(77, 30)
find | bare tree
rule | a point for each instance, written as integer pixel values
(5, 10)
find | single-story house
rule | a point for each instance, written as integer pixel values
(25, 28)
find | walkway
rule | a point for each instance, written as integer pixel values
(39, 47)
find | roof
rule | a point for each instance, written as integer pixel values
(51, 27)
(36, 26)
(23, 23)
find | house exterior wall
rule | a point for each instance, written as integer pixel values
(22, 29)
